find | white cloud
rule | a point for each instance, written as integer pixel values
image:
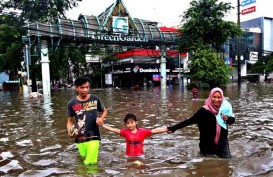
(166, 13)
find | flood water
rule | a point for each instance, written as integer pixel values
(34, 141)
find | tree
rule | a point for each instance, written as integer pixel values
(264, 65)
(39, 10)
(61, 61)
(203, 34)
(106, 54)
(13, 15)
(209, 67)
(11, 48)
(204, 24)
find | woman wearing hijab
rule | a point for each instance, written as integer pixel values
(212, 120)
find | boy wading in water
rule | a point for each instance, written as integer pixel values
(85, 107)
(134, 136)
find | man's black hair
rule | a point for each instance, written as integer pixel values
(81, 80)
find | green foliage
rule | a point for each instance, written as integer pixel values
(13, 15)
(264, 65)
(209, 67)
(203, 33)
(11, 53)
(59, 61)
(40, 10)
(204, 25)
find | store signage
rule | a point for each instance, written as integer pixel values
(91, 59)
(139, 70)
(120, 24)
(151, 70)
(108, 79)
(248, 10)
(118, 37)
(253, 56)
(181, 70)
(247, 2)
(228, 61)
(121, 71)
(136, 68)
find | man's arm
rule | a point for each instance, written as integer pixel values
(68, 125)
(101, 119)
(115, 130)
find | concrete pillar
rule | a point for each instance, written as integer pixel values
(163, 67)
(45, 68)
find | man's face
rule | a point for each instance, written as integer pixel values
(84, 89)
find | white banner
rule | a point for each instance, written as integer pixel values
(108, 79)
(253, 56)
(91, 59)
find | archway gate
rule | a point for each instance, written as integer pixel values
(114, 26)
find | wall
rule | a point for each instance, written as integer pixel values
(268, 34)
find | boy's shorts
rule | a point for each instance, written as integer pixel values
(89, 151)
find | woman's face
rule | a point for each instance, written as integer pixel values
(217, 99)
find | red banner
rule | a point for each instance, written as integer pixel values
(248, 10)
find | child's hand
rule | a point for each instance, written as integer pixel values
(99, 121)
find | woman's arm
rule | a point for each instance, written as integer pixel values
(115, 130)
(190, 121)
(230, 120)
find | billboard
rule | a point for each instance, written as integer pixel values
(247, 2)
(248, 10)
(91, 58)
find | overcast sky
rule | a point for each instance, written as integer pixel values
(165, 12)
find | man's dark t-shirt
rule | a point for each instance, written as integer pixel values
(86, 113)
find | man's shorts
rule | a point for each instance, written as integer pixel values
(89, 151)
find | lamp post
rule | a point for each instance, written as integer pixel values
(179, 68)
(239, 43)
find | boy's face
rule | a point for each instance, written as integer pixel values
(131, 124)
(83, 90)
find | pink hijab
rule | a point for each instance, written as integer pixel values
(209, 106)
(208, 103)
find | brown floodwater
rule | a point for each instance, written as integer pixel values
(34, 142)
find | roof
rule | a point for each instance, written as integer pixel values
(88, 29)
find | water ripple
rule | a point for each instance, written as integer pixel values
(34, 142)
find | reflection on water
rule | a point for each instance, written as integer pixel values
(34, 142)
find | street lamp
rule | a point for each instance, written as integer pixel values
(239, 44)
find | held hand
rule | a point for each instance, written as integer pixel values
(169, 131)
(99, 121)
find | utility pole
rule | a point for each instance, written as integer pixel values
(239, 44)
